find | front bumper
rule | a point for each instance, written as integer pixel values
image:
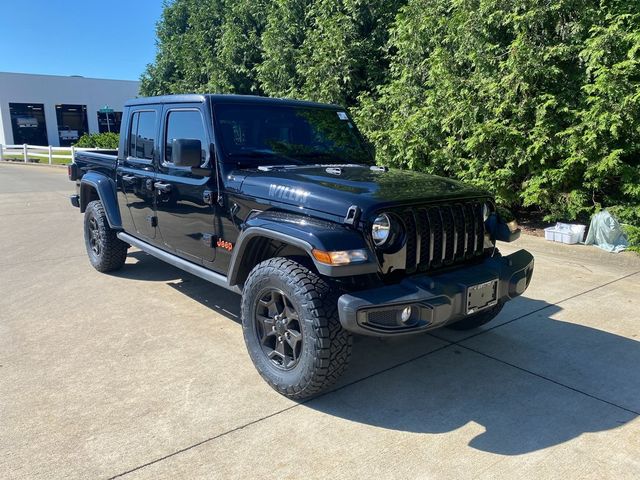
(435, 300)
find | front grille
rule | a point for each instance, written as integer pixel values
(442, 235)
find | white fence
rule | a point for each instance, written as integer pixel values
(29, 152)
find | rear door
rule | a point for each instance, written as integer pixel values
(137, 171)
(183, 206)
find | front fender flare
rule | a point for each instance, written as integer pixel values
(105, 187)
(307, 234)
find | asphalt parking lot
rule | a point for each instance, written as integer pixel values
(144, 373)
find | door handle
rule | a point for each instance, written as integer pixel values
(162, 187)
(128, 179)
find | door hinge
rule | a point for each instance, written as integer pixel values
(353, 216)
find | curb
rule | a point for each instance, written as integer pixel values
(32, 164)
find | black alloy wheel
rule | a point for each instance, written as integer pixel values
(95, 238)
(278, 328)
(291, 328)
(105, 250)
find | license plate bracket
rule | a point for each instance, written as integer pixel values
(482, 295)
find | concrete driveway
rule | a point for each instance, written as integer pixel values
(144, 374)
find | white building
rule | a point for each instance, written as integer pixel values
(55, 110)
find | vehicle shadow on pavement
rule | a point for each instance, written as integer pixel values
(142, 266)
(149, 268)
(508, 393)
(527, 385)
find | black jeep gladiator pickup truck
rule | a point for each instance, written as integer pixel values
(282, 202)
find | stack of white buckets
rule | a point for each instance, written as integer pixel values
(565, 233)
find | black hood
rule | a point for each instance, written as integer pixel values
(334, 189)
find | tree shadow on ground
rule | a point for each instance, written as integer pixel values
(529, 385)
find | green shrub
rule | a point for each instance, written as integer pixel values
(629, 217)
(537, 101)
(108, 141)
(633, 234)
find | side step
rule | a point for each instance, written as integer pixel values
(197, 270)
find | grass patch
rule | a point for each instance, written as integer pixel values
(18, 156)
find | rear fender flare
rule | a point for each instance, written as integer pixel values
(105, 188)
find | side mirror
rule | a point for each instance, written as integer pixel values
(502, 226)
(186, 152)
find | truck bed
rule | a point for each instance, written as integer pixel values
(101, 160)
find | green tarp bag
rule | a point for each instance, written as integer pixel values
(606, 233)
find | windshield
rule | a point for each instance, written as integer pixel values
(255, 135)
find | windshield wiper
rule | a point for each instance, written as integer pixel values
(258, 154)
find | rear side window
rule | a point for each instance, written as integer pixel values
(185, 124)
(142, 135)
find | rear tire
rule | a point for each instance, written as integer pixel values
(291, 328)
(477, 320)
(106, 251)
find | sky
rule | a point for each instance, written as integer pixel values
(93, 38)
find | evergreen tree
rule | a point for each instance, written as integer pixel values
(537, 101)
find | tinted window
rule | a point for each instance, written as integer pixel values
(72, 123)
(142, 135)
(28, 123)
(109, 122)
(133, 128)
(282, 134)
(185, 124)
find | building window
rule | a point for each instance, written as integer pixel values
(27, 122)
(109, 122)
(142, 135)
(72, 123)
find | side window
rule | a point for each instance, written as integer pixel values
(133, 130)
(185, 124)
(142, 135)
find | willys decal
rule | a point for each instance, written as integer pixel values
(287, 193)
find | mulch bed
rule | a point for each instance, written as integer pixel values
(532, 223)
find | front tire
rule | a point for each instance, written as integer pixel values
(291, 328)
(105, 250)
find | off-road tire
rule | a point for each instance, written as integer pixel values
(478, 319)
(326, 346)
(112, 252)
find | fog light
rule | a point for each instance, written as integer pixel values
(405, 316)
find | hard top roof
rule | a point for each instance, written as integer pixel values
(220, 98)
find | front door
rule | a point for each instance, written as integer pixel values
(185, 214)
(136, 173)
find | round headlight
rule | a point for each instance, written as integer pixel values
(381, 229)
